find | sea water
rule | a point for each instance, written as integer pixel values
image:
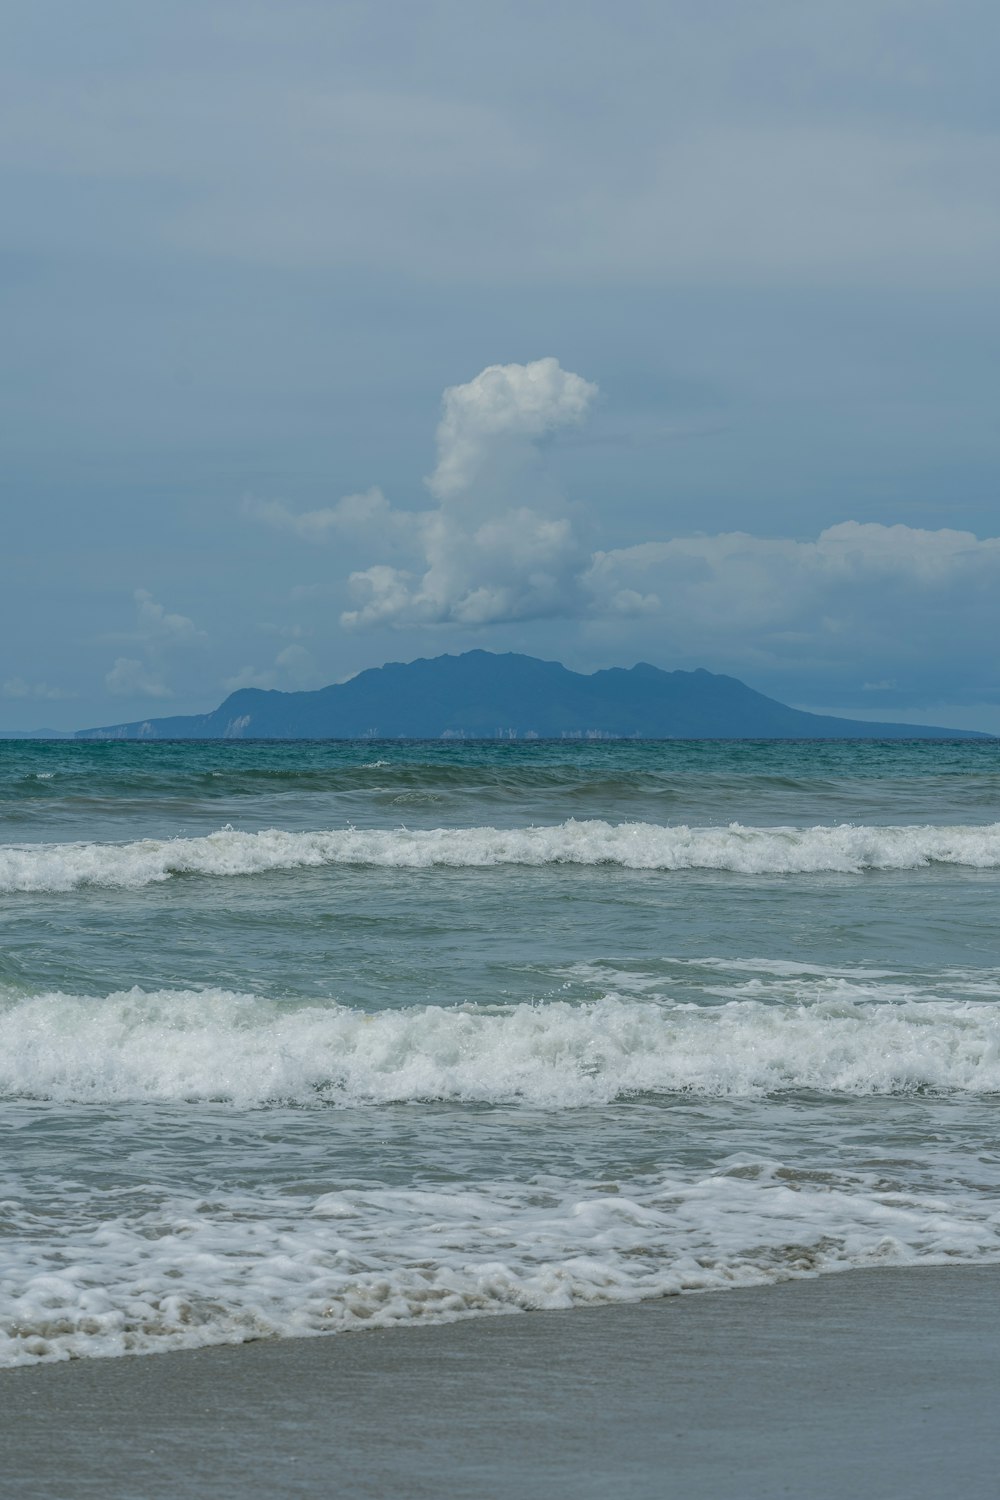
(304, 1037)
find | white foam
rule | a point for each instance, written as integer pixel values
(785, 981)
(186, 1272)
(96, 1270)
(217, 1045)
(844, 849)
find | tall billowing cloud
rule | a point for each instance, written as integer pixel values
(494, 549)
(489, 433)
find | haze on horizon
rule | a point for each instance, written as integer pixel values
(339, 334)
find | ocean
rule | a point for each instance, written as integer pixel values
(298, 1038)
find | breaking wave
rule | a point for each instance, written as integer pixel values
(843, 849)
(216, 1045)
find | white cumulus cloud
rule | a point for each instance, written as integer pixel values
(495, 547)
(490, 427)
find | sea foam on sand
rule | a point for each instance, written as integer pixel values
(879, 1383)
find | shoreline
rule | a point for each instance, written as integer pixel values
(877, 1383)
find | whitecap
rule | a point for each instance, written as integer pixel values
(219, 1045)
(846, 849)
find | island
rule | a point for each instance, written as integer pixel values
(485, 695)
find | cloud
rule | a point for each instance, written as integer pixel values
(131, 678)
(912, 604)
(156, 624)
(761, 144)
(160, 634)
(17, 687)
(293, 668)
(156, 627)
(484, 555)
(359, 515)
(736, 580)
(491, 426)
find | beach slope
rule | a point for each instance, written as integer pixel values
(881, 1384)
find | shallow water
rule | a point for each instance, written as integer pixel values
(296, 1037)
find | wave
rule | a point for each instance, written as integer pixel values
(216, 1045)
(843, 849)
(185, 1272)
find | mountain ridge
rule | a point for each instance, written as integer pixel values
(486, 695)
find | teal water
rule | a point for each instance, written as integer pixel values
(302, 1037)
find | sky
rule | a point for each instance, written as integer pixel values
(338, 333)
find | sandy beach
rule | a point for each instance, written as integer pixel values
(881, 1384)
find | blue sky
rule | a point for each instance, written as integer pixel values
(712, 287)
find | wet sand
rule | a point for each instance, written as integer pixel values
(872, 1385)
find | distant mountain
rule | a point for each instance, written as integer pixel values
(36, 734)
(480, 695)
